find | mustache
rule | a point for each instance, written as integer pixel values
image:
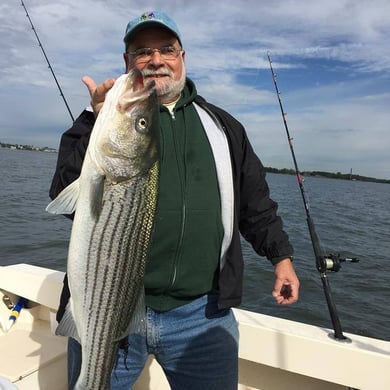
(160, 72)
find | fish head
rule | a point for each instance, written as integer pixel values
(128, 145)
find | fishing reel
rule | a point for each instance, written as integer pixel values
(332, 262)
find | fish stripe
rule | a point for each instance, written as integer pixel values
(94, 290)
(120, 237)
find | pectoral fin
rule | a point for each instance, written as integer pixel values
(65, 202)
(96, 195)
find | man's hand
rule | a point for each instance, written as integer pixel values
(286, 287)
(97, 92)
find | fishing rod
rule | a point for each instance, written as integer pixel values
(48, 62)
(324, 263)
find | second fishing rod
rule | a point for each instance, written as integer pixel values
(324, 263)
(47, 60)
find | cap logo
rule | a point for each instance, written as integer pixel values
(150, 18)
(147, 15)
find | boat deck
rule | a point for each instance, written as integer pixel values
(274, 353)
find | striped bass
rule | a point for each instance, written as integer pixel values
(114, 200)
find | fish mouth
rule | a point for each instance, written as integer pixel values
(140, 87)
(138, 90)
(144, 90)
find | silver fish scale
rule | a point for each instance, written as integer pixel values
(117, 256)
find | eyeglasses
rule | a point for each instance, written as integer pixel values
(145, 54)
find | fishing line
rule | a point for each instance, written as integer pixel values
(324, 262)
(48, 62)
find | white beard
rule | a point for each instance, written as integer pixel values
(168, 90)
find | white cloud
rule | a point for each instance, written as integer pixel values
(333, 58)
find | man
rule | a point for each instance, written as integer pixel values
(212, 188)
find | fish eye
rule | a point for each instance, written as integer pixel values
(141, 124)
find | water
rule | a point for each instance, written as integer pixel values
(28, 234)
(351, 218)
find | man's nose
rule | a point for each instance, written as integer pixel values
(156, 58)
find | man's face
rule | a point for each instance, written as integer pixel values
(168, 74)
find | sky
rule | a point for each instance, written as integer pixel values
(332, 60)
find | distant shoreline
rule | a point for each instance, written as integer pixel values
(338, 175)
(27, 147)
(329, 175)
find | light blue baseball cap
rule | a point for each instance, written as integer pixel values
(148, 19)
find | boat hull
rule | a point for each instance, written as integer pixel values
(274, 353)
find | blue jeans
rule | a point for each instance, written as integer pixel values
(196, 345)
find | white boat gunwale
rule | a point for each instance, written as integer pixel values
(274, 353)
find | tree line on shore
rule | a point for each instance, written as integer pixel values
(331, 175)
(26, 147)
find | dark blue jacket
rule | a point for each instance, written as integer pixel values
(255, 213)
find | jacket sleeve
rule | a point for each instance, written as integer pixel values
(71, 153)
(255, 211)
(259, 221)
